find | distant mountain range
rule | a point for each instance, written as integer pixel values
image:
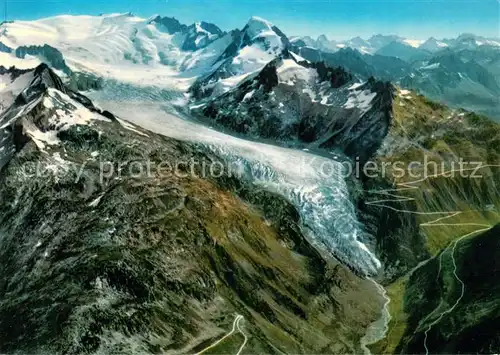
(463, 72)
(378, 42)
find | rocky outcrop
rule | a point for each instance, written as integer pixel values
(292, 100)
(47, 54)
(4, 48)
(13, 72)
(200, 35)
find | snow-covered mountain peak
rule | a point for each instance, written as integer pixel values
(256, 26)
(37, 107)
(260, 30)
(415, 43)
(250, 50)
(433, 45)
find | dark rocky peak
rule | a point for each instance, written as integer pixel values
(170, 24)
(282, 35)
(268, 77)
(299, 43)
(386, 92)
(336, 76)
(13, 71)
(234, 47)
(43, 79)
(206, 27)
(200, 35)
(260, 32)
(34, 109)
(153, 19)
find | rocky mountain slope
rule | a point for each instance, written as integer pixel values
(448, 200)
(147, 263)
(292, 100)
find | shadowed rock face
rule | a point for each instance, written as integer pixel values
(47, 53)
(171, 24)
(196, 36)
(13, 71)
(4, 48)
(154, 263)
(200, 35)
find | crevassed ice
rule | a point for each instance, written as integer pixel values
(320, 194)
(327, 214)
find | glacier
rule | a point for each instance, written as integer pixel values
(129, 53)
(321, 196)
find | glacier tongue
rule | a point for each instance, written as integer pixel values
(322, 199)
(328, 217)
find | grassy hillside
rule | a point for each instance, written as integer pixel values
(160, 263)
(441, 203)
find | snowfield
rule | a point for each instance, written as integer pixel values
(138, 51)
(119, 46)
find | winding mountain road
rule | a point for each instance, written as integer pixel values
(236, 326)
(394, 197)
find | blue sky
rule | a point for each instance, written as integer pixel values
(338, 19)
